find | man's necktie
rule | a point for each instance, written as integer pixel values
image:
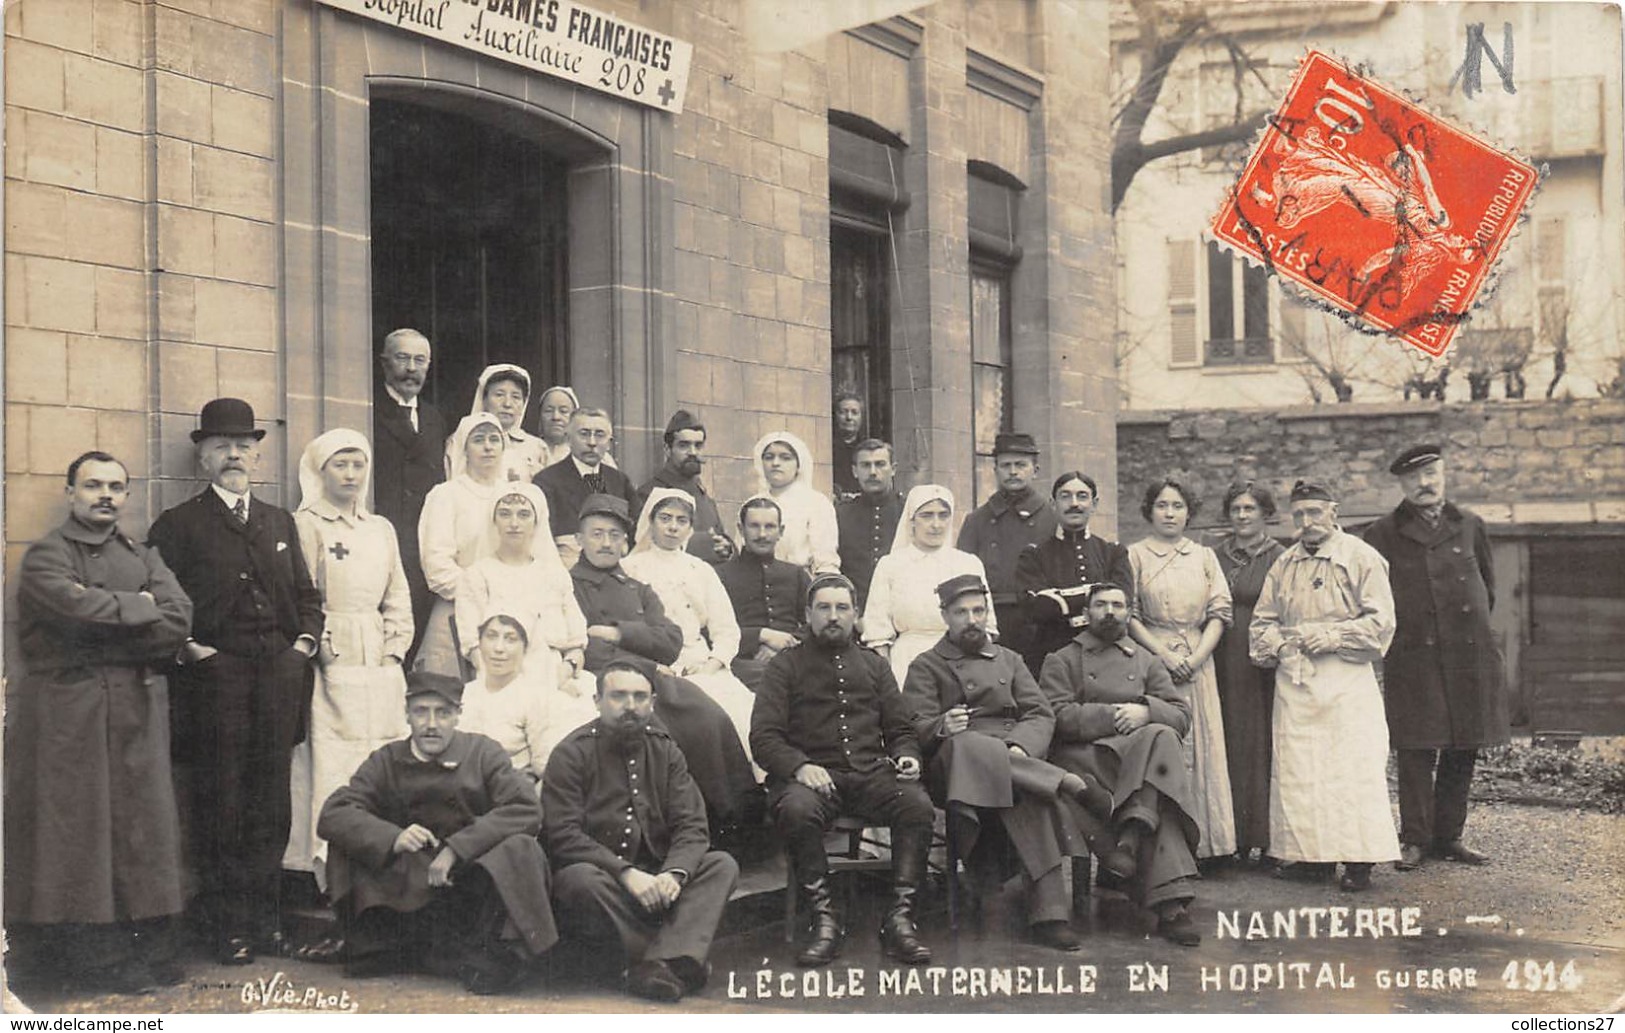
(240, 511)
(595, 483)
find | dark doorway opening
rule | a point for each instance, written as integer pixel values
(468, 246)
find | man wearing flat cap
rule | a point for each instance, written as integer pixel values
(1444, 677)
(1017, 516)
(434, 860)
(1324, 618)
(685, 458)
(626, 621)
(242, 688)
(984, 728)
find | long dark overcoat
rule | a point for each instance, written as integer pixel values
(1444, 679)
(91, 829)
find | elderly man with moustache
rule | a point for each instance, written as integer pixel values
(1444, 677)
(685, 458)
(626, 829)
(244, 681)
(568, 482)
(1325, 616)
(408, 435)
(1015, 517)
(434, 853)
(92, 848)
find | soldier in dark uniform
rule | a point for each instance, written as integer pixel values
(867, 521)
(408, 441)
(833, 733)
(685, 458)
(625, 620)
(434, 856)
(767, 593)
(244, 681)
(1444, 676)
(997, 531)
(626, 832)
(1053, 577)
(985, 727)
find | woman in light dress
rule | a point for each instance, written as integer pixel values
(508, 702)
(811, 538)
(360, 692)
(453, 532)
(504, 392)
(522, 578)
(902, 617)
(694, 599)
(1181, 607)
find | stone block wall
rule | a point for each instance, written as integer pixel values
(1535, 462)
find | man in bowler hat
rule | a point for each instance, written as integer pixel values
(1443, 678)
(242, 686)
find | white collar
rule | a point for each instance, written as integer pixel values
(583, 469)
(410, 403)
(230, 498)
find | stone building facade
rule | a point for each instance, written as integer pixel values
(1547, 477)
(240, 197)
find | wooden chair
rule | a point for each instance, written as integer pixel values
(850, 859)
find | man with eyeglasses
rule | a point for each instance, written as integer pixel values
(568, 482)
(626, 622)
(408, 434)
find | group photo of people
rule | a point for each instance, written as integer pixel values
(479, 692)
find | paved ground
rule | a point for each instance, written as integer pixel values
(1554, 897)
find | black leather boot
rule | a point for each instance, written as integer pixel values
(823, 943)
(898, 936)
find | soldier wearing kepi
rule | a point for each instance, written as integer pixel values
(833, 733)
(1444, 675)
(985, 728)
(999, 530)
(92, 850)
(244, 683)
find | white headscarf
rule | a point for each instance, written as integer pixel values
(541, 546)
(518, 434)
(918, 496)
(457, 447)
(656, 497)
(570, 391)
(316, 455)
(804, 463)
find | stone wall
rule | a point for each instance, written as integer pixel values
(1539, 462)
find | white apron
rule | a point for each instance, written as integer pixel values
(1329, 786)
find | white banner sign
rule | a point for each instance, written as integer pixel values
(558, 37)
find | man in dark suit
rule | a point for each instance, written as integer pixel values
(868, 520)
(243, 682)
(626, 830)
(408, 442)
(1444, 679)
(568, 482)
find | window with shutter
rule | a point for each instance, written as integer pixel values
(1182, 303)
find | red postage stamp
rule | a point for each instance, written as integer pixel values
(1377, 207)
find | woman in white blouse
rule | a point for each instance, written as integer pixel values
(452, 532)
(902, 618)
(811, 539)
(695, 601)
(504, 392)
(522, 578)
(507, 703)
